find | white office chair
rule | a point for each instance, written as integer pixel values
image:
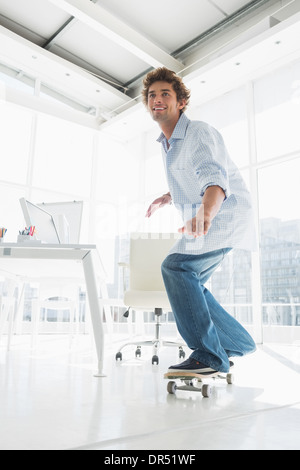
(146, 290)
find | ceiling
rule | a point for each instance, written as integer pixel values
(94, 53)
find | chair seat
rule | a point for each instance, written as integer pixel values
(146, 299)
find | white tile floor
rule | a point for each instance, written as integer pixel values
(49, 400)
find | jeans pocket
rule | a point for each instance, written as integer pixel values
(225, 251)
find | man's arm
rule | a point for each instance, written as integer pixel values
(211, 204)
(158, 203)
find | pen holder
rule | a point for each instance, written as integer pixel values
(28, 239)
(24, 238)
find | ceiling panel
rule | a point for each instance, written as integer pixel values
(100, 52)
(56, 73)
(229, 6)
(38, 16)
(97, 51)
(168, 23)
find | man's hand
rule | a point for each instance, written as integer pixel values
(160, 202)
(197, 226)
(211, 204)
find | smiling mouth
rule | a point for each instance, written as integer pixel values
(158, 109)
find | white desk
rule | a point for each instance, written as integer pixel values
(40, 261)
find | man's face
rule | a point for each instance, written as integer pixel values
(162, 103)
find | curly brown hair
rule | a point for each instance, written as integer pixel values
(162, 74)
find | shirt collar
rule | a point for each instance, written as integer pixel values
(179, 130)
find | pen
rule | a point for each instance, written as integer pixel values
(28, 231)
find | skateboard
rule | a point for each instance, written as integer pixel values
(190, 382)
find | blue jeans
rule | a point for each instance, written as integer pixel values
(205, 326)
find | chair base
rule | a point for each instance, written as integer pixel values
(156, 344)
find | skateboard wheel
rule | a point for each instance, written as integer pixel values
(171, 387)
(155, 359)
(229, 378)
(119, 356)
(206, 390)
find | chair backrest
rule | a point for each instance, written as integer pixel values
(147, 252)
(58, 290)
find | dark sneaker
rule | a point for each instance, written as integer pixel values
(191, 365)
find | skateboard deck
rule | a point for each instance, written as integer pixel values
(190, 382)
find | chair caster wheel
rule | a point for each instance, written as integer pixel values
(155, 360)
(138, 352)
(119, 356)
(181, 353)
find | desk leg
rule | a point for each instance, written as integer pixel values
(96, 314)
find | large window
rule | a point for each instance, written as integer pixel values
(14, 152)
(280, 244)
(63, 157)
(228, 114)
(15, 157)
(277, 112)
(46, 160)
(268, 155)
(54, 160)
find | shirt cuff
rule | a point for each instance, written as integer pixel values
(221, 185)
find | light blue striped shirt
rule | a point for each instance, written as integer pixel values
(196, 159)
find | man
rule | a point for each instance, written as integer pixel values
(207, 189)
